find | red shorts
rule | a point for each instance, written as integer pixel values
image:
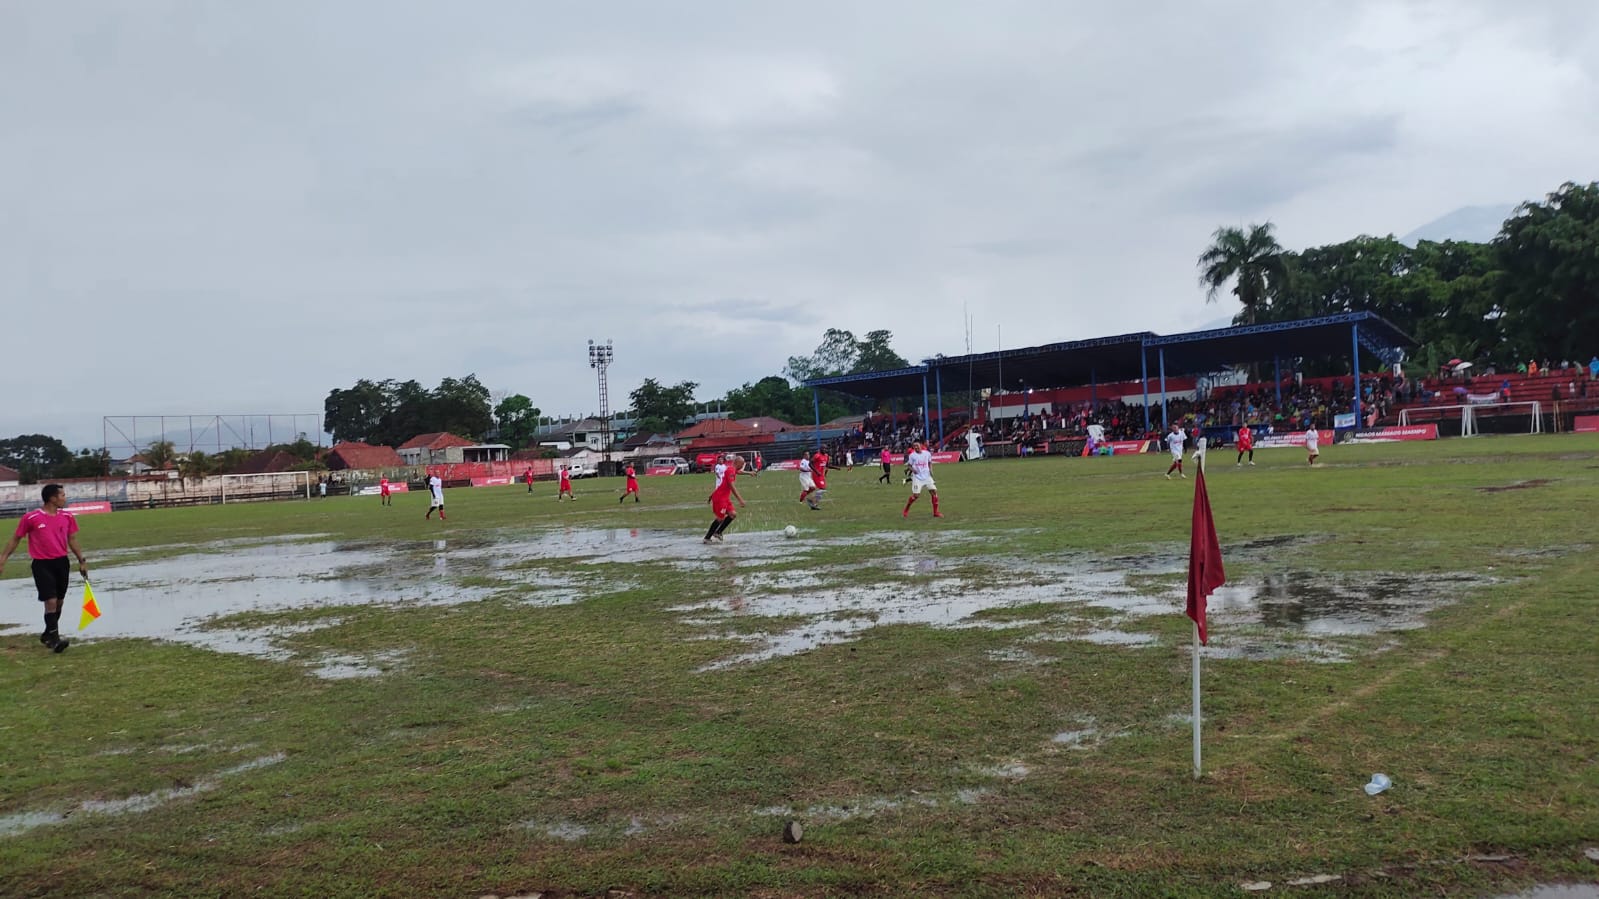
(721, 504)
(632, 486)
(385, 491)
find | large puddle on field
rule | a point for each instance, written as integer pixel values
(1088, 599)
(940, 579)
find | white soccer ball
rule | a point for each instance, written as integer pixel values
(791, 531)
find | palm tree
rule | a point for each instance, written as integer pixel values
(1252, 260)
(160, 455)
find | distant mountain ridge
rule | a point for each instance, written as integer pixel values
(1478, 224)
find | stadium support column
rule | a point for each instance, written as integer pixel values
(927, 432)
(1143, 381)
(1354, 366)
(938, 395)
(1163, 422)
(1093, 388)
(816, 407)
(1277, 376)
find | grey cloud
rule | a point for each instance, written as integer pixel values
(408, 190)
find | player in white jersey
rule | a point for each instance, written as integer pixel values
(1174, 441)
(436, 487)
(1312, 443)
(920, 463)
(807, 482)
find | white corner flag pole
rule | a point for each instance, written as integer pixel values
(1196, 700)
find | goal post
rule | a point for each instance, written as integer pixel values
(1474, 415)
(238, 488)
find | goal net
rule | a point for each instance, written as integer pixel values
(1481, 418)
(238, 488)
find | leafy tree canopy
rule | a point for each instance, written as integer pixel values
(34, 455)
(388, 413)
(662, 409)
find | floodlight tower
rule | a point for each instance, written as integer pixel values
(599, 359)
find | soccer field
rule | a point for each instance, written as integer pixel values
(335, 698)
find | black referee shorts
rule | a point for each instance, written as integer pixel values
(50, 576)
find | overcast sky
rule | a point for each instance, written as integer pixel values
(236, 207)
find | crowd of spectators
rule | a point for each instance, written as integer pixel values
(1304, 404)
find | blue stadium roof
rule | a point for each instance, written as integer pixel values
(1123, 357)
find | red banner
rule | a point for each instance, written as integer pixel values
(661, 470)
(1117, 447)
(1391, 435)
(1586, 424)
(494, 481)
(89, 508)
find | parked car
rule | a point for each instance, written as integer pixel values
(581, 469)
(678, 464)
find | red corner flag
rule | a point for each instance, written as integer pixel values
(1204, 555)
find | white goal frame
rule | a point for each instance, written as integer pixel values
(1468, 415)
(303, 485)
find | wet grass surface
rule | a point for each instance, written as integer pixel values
(545, 700)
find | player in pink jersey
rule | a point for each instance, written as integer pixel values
(51, 532)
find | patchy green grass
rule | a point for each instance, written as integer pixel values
(578, 748)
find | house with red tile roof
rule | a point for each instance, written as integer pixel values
(444, 448)
(9, 477)
(354, 455)
(766, 424)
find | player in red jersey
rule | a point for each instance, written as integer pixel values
(632, 485)
(383, 492)
(528, 476)
(1246, 444)
(819, 473)
(722, 497)
(566, 485)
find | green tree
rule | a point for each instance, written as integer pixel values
(836, 355)
(358, 413)
(1252, 261)
(840, 353)
(661, 409)
(160, 455)
(33, 455)
(1549, 255)
(196, 465)
(86, 464)
(774, 396)
(873, 353)
(230, 460)
(461, 406)
(518, 419)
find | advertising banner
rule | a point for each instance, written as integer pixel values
(1391, 435)
(1586, 424)
(1290, 438)
(1344, 420)
(89, 508)
(494, 481)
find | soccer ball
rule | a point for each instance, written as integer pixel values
(791, 531)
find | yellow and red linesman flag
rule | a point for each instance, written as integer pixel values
(1205, 573)
(91, 609)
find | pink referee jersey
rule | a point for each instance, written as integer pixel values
(47, 534)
